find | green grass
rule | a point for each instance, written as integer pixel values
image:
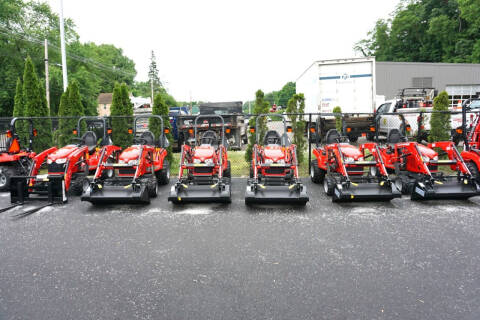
(240, 168)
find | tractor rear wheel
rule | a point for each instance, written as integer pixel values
(5, 174)
(228, 171)
(474, 171)
(316, 174)
(163, 176)
(328, 186)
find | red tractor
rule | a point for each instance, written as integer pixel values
(13, 160)
(346, 171)
(67, 168)
(204, 173)
(417, 169)
(135, 176)
(471, 134)
(274, 168)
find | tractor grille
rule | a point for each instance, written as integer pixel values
(3, 142)
(56, 167)
(355, 170)
(432, 167)
(203, 170)
(126, 171)
(275, 171)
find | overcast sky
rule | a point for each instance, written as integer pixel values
(222, 50)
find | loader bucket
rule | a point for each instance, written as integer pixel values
(365, 192)
(276, 195)
(130, 194)
(200, 193)
(448, 190)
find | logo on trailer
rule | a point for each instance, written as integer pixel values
(345, 76)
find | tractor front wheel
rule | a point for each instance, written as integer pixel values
(5, 174)
(474, 171)
(163, 176)
(328, 186)
(228, 171)
(317, 175)
(152, 187)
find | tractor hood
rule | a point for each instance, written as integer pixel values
(62, 153)
(427, 152)
(274, 153)
(203, 152)
(351, 152)
(129, 154)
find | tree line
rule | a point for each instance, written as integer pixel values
(427, 31)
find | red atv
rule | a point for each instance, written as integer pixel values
(417, 169)
(345, 171)
(204, 173)
(135, 177)
(67, 168)
(13, 160)
(274, 169)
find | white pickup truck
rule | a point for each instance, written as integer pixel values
(389, 116)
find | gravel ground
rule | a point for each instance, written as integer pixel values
(397, 260)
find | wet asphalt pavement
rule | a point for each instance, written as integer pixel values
(398, 260)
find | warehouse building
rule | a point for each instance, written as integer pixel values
(460, 80)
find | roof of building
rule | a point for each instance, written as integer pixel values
(105, 98)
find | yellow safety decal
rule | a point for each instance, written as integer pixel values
(354, 184)
(438, 182)
(179, 199)
(382, 183)
(127, 186)
(262, 186)
(465, 181)
(351, 197)
(45, 180)
(291, 186)
(99, 186)
(185, 186)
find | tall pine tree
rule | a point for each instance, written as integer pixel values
(160, 108)
(70, 106)
(261, 106)
(35, 105)
(121, 106)
(21, 127)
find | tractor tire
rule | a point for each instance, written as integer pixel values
(163, 176)
(5, 174)
(110, 173)
(405, 187)
(228, 171)
(316, 174)
(474, 171)
(328, 186)
(152, 187)
(77, 185)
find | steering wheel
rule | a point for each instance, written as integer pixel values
(140, 140)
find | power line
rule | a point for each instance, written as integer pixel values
(73, 56)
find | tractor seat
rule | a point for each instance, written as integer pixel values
(209, 137)
(394, 136)
(271, 137)
(89, 139)
(148, 138)
(332, 136)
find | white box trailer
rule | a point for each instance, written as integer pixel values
(347, 83)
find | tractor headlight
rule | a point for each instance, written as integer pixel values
(435, 158)
(49, 161)
(197, 161)
(268, 161)
(133, 163)
(209, 162)
(61, 161)
(349, 160)
(121, 162)
(425, 159)
(281, 161)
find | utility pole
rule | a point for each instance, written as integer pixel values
(151, 88)
(62, 45)
(47, 86)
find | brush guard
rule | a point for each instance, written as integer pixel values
(188, 193)
(257, 193)
(366, 191)
(452, 188)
